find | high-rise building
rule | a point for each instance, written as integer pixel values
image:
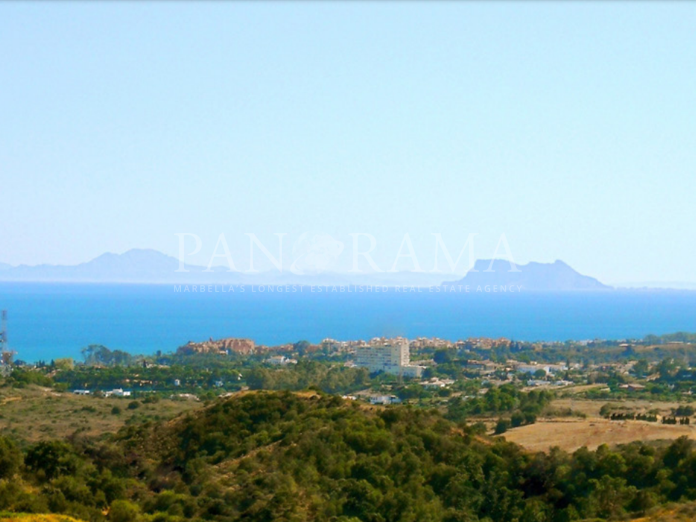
(389, 356)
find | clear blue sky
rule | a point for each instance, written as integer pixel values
(569, 127)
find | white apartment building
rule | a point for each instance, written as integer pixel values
(280, 360)
(388, 356)
(117, 392)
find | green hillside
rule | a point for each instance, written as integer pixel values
(281, 456)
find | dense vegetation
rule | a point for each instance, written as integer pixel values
(524, 407)
(267, 456)
(306, 374)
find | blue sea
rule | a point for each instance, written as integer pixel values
(47, 321)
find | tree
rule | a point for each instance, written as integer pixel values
(517, 419)
(677, 451)
(666, 368)
(97, 354)
(443, 356)
(10, 458)
(121, 358)
(540, 374)
(502, 426)
(64, 364)
(301, 347)
(123, 511)
(684, 410)
(641, 368)
(610, 496)
(535, 511)
(52, 459)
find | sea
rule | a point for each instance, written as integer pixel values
(48, 321)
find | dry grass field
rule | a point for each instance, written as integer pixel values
(676, 513)
(571, 433)
(32, 414)
(591, 408)
(30, 517)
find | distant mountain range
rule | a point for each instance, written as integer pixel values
(143, 266)
(150, 266)
(556, 276)
(134, 266)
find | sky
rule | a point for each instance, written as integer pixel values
(568, 128)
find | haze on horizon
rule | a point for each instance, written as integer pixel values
(568, 127)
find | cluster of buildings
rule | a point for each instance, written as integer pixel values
(416, 344)
(332, 345)
(117, 392)
(434, 342)
(233, 346)
(390, 356)
(238, 346)
(486, 343)
(219, 347)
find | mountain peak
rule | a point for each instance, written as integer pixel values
(136, 260)
(134, 253)
(556, 276)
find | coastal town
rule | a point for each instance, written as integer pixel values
(580, 390)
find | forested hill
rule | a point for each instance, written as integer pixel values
(281, 456)
(284, 456)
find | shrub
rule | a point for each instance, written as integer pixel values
(123, 511)
(502, 426)
(52, 459)
(10, 458)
